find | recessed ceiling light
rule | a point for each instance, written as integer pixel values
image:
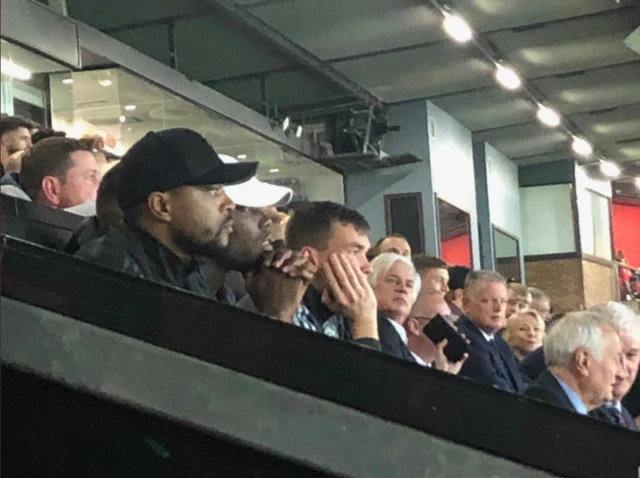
(285, 123)
(15, 71)
(636, 181)
(105, 83)
(609, 168)
(129, 107)
(457, 28)
(548, 116)
(68, 81)
(274, 170)
(508, 77)
(299, 131)
(242, 156)
(581, 146)
(122, 118)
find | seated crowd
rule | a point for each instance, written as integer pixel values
(174, 211)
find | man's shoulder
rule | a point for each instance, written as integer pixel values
(112, 251)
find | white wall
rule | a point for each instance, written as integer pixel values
(593, 214)
(504, 193)
(452, 173)
(544, 232)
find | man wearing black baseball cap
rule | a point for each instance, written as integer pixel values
(171, 193)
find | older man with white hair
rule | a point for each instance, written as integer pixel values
(627, 323)
(582, 354)
(396, 285)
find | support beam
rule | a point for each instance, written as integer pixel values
(244, 17)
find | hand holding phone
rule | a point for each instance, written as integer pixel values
(438, 329)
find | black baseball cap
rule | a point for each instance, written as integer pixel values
(169, 159)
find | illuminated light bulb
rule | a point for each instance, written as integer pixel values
(457, 28)
(609, 168)
(508, 77)
(548, 116)
(581, 146)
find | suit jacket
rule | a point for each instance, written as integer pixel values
(533, 365)
(546, 388)
(391, 342)
(495, 366)
(604, 414)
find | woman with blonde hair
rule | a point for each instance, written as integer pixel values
(524, 333)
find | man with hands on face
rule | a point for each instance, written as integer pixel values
(339, 301)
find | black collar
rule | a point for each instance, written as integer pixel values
(312, 300)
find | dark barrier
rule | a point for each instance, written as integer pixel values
(342, 408)
(37, 223)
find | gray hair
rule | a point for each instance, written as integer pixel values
(622, 317)
(382, 263)
(475, 277)
(575, 330)
(537, 294)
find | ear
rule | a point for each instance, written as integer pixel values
(412, 326)
(582, 361)
(458, 294)
(50, 190)
(159, 204)
(311, 254)
(465, 302)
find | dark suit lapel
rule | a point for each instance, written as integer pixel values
(628, 419)
(549, 381)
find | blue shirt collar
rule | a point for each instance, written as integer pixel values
(573, 398)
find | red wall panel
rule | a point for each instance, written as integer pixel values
(626, 231)
(457, 251)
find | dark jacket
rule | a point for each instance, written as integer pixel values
(605, 414)
(492, 364)
(632, 399)
(132, 250)
(546, 388)
(533, 365)
(391, 342)
(86, 232)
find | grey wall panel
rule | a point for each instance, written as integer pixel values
(290, 424)
(37, 27)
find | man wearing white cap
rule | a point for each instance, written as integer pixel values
(252, 236)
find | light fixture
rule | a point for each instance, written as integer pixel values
(67, 81)
(130, 107)
(457, 28)
(609, 168)
(123, 118)
(299, 131)
(242, 156)
(508, 77)
(286, 123)
(548, 116)
(636, 181)
(15, 71)
(105, 83)
(581, 146)
(274, 170)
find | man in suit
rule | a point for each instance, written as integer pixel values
(490, 360)
(627, 324)
(582, 353)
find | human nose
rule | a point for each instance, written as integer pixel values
(227, 204)
(363, 262)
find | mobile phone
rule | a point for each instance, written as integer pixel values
(438, 329)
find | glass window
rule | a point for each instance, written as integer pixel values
(455, 235)
(506, 250)
(121, 108)
(596, 225)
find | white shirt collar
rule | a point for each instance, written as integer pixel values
(400, 329)
(419, 361)
(486, 335)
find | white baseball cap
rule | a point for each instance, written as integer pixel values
(255, 193)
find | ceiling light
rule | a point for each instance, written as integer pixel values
(105, 83)
(15, 71)
(299, 131)
(123, 118)
(285, 123)
(242, 156)
(129, 107)
(274, 170)
(581, 146)
(68, 81)
(508, 77)
(609, 168)
(457, 28)
(548, 116)
(636, 181)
